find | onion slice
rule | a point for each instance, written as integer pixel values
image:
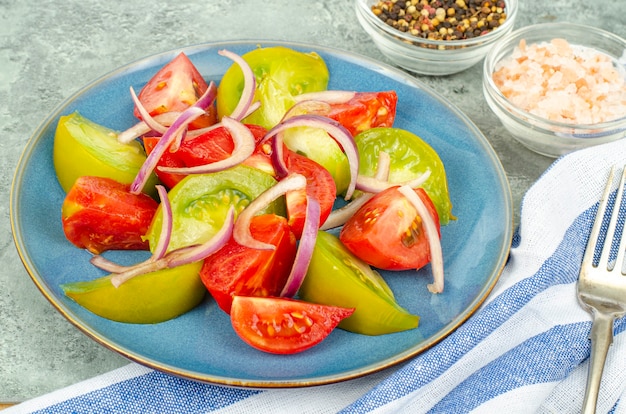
(166, 225)
(203, 103)
(198, 252)
(141, 128)
(197, 132)
(305, 249)
(208, 97)
(310, 106)
(330, 97)
(335, 130)
(375, 185)
(249, 84)
(179, 125)
(383, 166)
(182, 256)
(436, 255)
(277, 156)
(244, 147)
(145, 115)
(340, 216)
(160, 122)
(241, 232)
(107, 265)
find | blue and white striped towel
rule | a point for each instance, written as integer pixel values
(524, 351)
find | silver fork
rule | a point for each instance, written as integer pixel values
(602, 290)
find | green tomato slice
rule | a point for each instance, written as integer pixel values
(410, 157)
(317, 145)
(200, 204)
(281, 73)
(149, 298)
(83, 147)
(336, 277)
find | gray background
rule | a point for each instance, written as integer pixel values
(50, 49)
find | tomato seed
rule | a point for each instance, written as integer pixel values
(297, 315)
(413, 232)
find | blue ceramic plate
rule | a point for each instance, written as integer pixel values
(201, 344)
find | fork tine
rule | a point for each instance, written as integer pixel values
(619, 260)
(608, 241)
(592, 243)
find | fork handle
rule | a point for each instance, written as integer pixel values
(601, 337)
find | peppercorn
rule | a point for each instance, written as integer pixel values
(442, 19)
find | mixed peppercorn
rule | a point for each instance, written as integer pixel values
(442, 19)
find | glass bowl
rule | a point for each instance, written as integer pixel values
(541, 135)
(430, 57)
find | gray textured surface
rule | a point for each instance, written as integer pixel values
(49, 49)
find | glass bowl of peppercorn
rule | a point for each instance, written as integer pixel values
(436, 37)
(558, 87)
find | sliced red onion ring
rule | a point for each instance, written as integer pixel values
(198, 252)
(249, 84)
(244, 147)
(253, 107)
(197, 132)
(160, 122)
(336, 131)
(208, 97)
(107, 265)
(182, 256)
(308, 107)
(277, 156)
(141, 128)
(241, 233)
(436, 255)
(166, 225)
(340, 216)
(305, 249)
(374, 185)
(383, 166)
(203, 103)
(330, 97)
(185, 118)
(140, 269)
(145, 115)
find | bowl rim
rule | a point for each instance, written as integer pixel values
(519, 114)
(511, 7)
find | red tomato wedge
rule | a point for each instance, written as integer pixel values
(283, 326)
(319, 185)
(239, 270)
(175, 87)
(387, 233)
(214, 145)
(366, 110)
(101, 214)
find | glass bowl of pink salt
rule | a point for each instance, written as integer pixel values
(558, 87)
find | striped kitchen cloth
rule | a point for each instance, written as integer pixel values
(524, 351)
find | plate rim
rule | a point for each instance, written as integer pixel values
(353, 58)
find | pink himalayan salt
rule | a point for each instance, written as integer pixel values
(563, 83)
